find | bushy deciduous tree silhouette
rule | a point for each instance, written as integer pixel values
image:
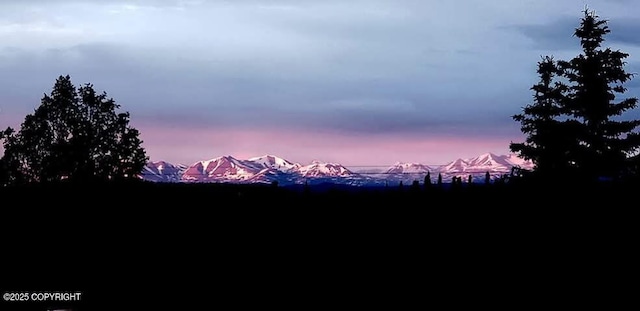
(74, 134)
(4, 173)
(578, 124)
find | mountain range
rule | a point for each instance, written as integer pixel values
(270, 168)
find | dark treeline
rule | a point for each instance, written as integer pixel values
(153, 239)
(150, 195)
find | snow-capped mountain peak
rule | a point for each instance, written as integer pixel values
(162, 171)
(320, 169)
(269, 168)
(274, 162)
(488, 160)
(515, 160)
(226, 168)
(458, 165)
(408, 168)
(483, 163)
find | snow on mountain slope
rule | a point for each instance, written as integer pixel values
(488, 162)
(225, 168)
(408, 168)
(318, 169)
(161, 171)
(269, 168)
(458, 165)
(514, 160)
(270, 161)
(264, 169)
(406, 172)
(269, 175)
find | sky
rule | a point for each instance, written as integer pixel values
(355, 82)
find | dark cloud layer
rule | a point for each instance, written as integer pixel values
(625, 31)
(377, 67)
(236, 95)
(559, 34)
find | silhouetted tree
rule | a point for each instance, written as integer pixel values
(74, 134)
(4, 173)
(597, 76)
(574, 122)
(549, 139)
(470, 179)
(440, 180)
(401, 185)
(634, 168)
(487, 178)
(427, 181)
(415, 186)
(306, 189)
(456, 182)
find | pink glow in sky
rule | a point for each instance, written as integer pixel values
(186, 146)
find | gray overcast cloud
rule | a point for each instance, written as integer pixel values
(413, 67)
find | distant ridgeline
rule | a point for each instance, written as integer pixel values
(269, 169)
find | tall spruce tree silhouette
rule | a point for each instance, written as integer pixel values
(415, 186)
(74, 134)
(597, 77)
(549, 139)
(306, 188)
(575, 124)
(427, 181)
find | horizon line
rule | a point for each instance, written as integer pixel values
(333, 162)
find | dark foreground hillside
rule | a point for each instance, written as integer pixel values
(146, 246)
(147, 195)
(144, 204)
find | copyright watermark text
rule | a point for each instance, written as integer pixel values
(41, 296)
